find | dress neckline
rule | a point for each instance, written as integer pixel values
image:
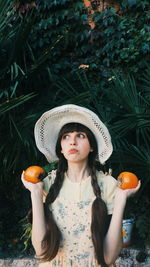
(78, 183)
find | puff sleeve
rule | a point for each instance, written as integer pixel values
(108, 186)
(47, 183)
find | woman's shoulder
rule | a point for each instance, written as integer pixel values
(105, 178)
(108, 186)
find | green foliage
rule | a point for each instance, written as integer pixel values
(122, 40)
(143, 221)
(139, 209)
(117, 41)
(26, 232)
(42, 50)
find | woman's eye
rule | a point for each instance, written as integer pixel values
(81, 135)
(65, 136)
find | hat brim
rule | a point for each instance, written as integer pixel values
(48, 126)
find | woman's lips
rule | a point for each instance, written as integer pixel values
(72, 151)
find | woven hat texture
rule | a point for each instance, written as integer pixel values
(49, 124)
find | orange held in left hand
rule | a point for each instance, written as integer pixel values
(127, 180)
(34, 174)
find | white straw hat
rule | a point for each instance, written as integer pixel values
(48, 126)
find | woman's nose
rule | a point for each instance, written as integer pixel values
(73, 140)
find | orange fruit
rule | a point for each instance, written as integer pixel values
(34, 174)
(127, 180)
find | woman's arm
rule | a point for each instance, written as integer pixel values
(38, 219)
(113, 238)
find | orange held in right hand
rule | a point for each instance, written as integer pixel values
(34, 174)
(127, 180)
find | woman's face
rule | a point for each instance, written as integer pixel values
(75, 146)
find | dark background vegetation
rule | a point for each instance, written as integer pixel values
(50, 56)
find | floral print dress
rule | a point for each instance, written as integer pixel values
(72, 212)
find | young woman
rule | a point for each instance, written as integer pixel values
(80, 223)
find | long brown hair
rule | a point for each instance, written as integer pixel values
(52, 238)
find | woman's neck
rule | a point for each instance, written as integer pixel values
(77, 172)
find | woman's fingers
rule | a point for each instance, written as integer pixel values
(134, 190)
(31, 186)
(131, 192)
(138, 186)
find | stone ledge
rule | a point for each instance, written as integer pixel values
(24, 262)
(127, 258)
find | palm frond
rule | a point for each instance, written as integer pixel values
(6, 8)
(71, 89)
(146, 82)
(140, 159)
(18, 147)
(13, 103)
(26, 232)
(131, 108)
(125, 93)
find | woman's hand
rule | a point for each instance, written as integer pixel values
(122, 195)
(30, 186)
